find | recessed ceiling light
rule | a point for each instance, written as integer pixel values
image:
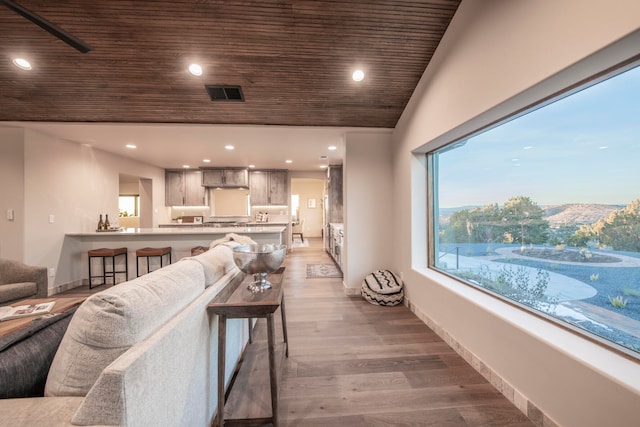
(323, 166)
(229, 147)
(252, 166)
(195, 69)
(186, 166)
(358, 75)
(288, 161)
(22, 64)
(206, 160)
(604, 147)
(332, 147)
(131, 146)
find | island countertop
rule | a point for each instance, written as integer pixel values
(181, 240)
(178, 231)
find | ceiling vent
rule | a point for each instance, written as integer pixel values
(225, 93)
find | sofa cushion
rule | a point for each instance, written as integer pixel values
(216, 263)
(26, 355)
(110, 322)
(16, 291)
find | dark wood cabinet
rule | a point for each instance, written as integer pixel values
(268, 188)
(334, 194)
(232, 177)
(184, 188)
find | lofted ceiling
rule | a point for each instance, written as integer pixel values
(293, 60)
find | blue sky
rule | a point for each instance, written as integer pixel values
(581, 149)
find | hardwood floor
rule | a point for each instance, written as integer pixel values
(355, 364)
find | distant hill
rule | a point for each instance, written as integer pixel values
(578, 213)
(558, 215)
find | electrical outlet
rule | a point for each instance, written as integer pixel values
(52, 272)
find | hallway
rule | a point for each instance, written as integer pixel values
(355, 364)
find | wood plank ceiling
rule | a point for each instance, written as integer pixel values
(292, 58)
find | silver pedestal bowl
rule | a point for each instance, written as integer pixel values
(259, 260)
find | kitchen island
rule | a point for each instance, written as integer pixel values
(181, 240)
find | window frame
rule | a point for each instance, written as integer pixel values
(432, 198)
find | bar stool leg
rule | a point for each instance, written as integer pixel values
(104, 271)
(126, 266)
(89, 272)
(113, 269)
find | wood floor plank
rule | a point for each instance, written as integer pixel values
(356, 364)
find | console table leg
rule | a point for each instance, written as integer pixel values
(222, 341)
(284, 327)
(272, 368)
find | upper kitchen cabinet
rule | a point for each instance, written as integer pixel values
(269, 188)
(334, 194)
(184, 188)
(233, 177)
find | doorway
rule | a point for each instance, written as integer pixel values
(135, 202)
(307, 204)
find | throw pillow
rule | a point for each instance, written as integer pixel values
(26, 355)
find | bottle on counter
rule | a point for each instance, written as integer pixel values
(100, 224)
(107, 226)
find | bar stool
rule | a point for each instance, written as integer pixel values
(151, 252)
(105, 253)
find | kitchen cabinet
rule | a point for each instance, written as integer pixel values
(231, 177)
(336, 236)
(334, 194)
(333, 205)
(184, 188)
(268, 188)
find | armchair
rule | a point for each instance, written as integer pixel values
(19, 281)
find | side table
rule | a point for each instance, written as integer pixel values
(244, 304)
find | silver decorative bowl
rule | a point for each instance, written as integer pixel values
(259, 260)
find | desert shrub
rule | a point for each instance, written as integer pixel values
(515, 283)
(618, 301)
(632, 292)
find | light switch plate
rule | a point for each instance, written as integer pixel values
(52, 219)
(10, 214)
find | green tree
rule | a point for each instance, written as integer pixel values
(458, 230)
(582, 236)
(523, 220)
(621, 229)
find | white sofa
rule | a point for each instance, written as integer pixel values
(142, 353)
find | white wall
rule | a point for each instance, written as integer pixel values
(75, 184)
(12, 193)
(496, 57)
(369, 225)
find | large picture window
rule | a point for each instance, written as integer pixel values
(544, 210)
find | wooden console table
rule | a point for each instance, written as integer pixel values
(244, 304)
